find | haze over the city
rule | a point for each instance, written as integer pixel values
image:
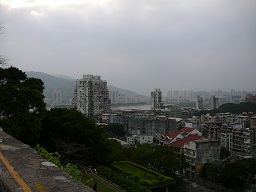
(135, 44)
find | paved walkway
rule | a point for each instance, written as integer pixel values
(22, 169)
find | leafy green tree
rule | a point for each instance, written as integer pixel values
(232, 108)
(162, 159)
(115, 130)
(236, 175)
(224, 152)
(71, 126)
(238, 108)
(117, 151)
(249, 170)
(212, 172)
(231, 176)
(21, 105)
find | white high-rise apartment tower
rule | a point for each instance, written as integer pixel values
(199, 103)
(56, 97)
(91, 96)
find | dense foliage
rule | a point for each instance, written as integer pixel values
(128, 184)
(232, 108)
(114, 130)
(142, 175)
(224, 153)
(237, 108)
(162, 159)
(67, 130)
(237, 175)
(21, 105)
(55, 158)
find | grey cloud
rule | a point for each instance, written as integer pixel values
(139, 45)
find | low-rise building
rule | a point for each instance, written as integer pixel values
(170, 137)
(197, 149)
(199, 152)
(140, 139)
(179, 144)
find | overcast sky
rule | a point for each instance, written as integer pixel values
(135, 44)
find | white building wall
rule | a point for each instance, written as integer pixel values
(145, 139)
(91, 95)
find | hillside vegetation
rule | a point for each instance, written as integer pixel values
(237, 108)
(66, 85)
(232, 108)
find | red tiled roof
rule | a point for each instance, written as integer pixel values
(171, 134)
(181, 142)
(187, 130)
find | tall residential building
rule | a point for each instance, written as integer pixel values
(113, 96)
(213, 103)
(56, 97)
(169, 95)
(185, 95)
(244, 93)
(191, 95)
(250, 98)
(91, 95)
(200, 103)
(214, 93)
(232, 93)
(220, 93)
(156, 99)
(181, 95)
(238, 93)
(176, 94)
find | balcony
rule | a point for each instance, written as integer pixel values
(191, 155)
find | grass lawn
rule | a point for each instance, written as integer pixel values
(139, 171)
(103, 186)
(145, 176)
(136, 171)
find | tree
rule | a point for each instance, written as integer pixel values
(115, 130)
(21, 105)
(162, 159)
(224, 153)
(117, 151)
(71, 149)
(212, 172)
(71, 126)
(236, 175)
(231, 176)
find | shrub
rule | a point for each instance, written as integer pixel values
(72, 170)
(144, 176)
(124, 182)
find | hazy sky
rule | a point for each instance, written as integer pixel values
(135, 44)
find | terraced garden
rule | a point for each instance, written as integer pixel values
(142, 175)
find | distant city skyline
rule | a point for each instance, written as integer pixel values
(136, 45)
(180, 90)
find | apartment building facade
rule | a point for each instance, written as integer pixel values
(199, 152)
(91, 96)
(156, 99)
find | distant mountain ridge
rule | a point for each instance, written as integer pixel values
(64, 77)
(52, 83)
(122, 91)
(66, 85)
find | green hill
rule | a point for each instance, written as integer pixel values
(52, 83)
(66, 85)
(237, 108)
